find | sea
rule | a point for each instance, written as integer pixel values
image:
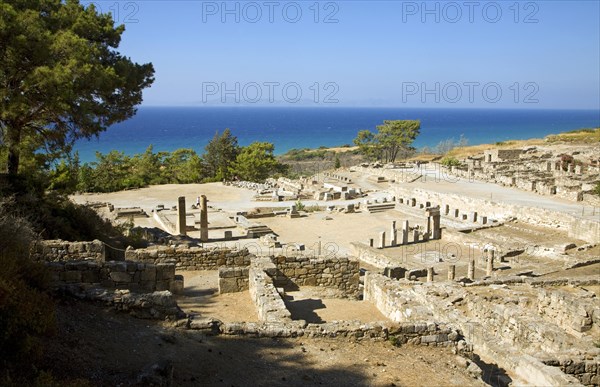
(170, 128)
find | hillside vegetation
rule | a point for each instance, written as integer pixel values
(579, 136)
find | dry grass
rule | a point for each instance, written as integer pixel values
(580, 136)
(425, 157)
(339, 149)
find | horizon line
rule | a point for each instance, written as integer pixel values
(336, 106)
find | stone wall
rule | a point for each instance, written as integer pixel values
(159, 305)
(233, 279)
(61, 251)
(269, 304)
(371, 256)
(191, 258)
(332, 272)
(573, 312)
(587, 371)
(130, 275)
(396, 175)
(389, 298)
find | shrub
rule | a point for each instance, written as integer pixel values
(26, 309)
(449, 161)
(597, 189)
(300, 206)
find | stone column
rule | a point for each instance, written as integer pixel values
(415, 236)
(381, 240)
(203, 219)
(471, 270)
(181, 216)
(430, 274)
(393, 234)
(434, 228)
(451, 272)
(490, 263)
(405, 232)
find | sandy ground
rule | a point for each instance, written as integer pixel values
(201, 297)
(111, 349)
(307, 304)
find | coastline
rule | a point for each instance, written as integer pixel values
(299, 128)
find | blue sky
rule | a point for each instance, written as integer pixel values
(540, 54)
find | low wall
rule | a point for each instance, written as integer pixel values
(401, 267)
(61, 251)
(587, 371)
(192, 258)
(159, 305)
(371, 256)
(387, 296)
(130, 275)
(233, 279)
(331, 272)
(398, 175)
(269, 304)
(571, 312)
(407, 333)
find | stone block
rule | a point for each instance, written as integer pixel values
(148, 274)
(120, 277)
(90, 276)
(176, 286)
(162, 285)
(228, 285)
(72, 276)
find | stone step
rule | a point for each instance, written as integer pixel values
(380, 207)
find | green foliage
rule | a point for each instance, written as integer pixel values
(182, 166)
(597, 189)
(219, 154)
(395, 341)
(62, 77)
(64, 176)
(390, 139)
(338, 163)
(449, 161)
(583, 130)
(306, 154)
(256, 162)
(299, 205)
(115, 171)
(368, 144)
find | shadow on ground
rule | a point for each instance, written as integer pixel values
(305, 309)
(107, 348)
